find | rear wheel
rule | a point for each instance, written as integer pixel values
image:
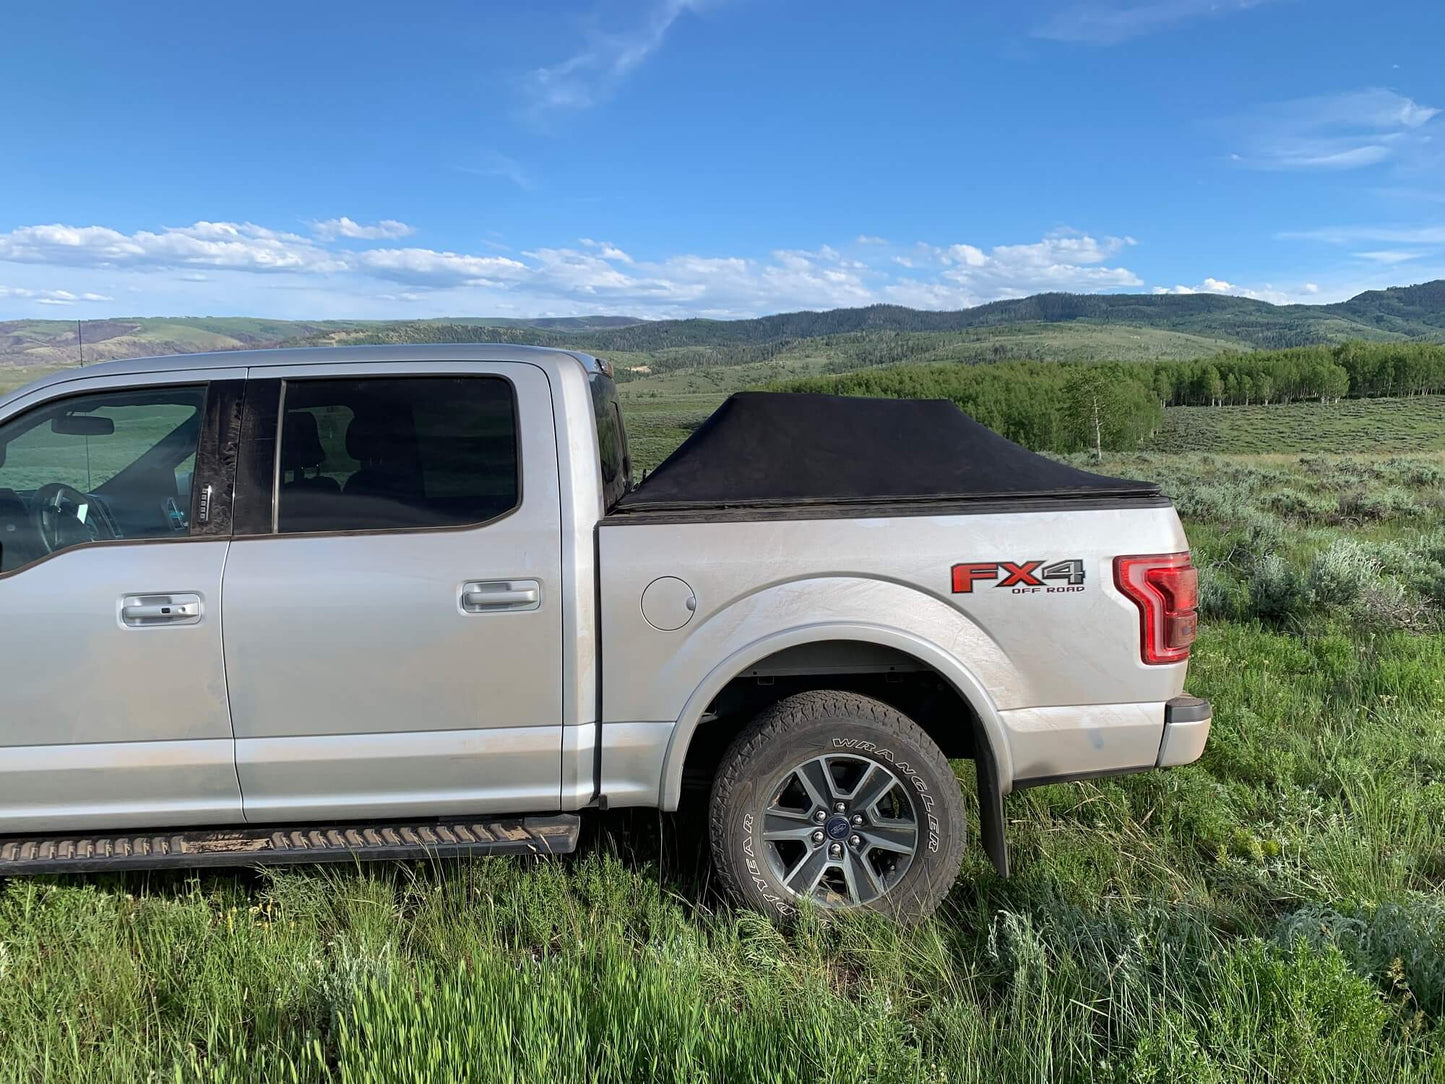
(838, 800)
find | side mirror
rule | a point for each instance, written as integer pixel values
(82, 425)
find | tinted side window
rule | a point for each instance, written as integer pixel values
(102, 467)
(611, 440)
(384, 454)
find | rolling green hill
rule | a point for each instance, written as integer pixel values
(1415, 311)
(1042, 327)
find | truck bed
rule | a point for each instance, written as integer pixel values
(769, 450)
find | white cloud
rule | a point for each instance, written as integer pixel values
(606, 249)
(1399, 244)
(424, 266)
(50, 297)
(1353, 235)
(239, 246)
(966, 275)
(500, 165)
(1266, 292)
(1108, 22)
(388, 229)
(587, 77)
(1388, 256)
(1344, 131)
(227, 266)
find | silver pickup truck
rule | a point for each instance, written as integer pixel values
(340, 604)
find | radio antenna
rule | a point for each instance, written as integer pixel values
(80, 341)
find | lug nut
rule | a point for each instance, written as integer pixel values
(820, 816)
(836, 850)
(838, 807)
(857, 819)
(818, 837)
(855, 842)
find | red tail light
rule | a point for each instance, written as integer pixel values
(1165, 587)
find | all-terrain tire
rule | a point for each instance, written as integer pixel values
(856, 730)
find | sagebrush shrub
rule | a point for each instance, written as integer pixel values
(1301, 504)
(1339, 575)
(1217, 593)
(1379, 504)
(1210, 503)
(1263, 533)
(1277, 591)
(1401, 946)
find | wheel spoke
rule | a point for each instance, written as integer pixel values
(818, 783)
(785, 824)
(863, 883)
(803, 878)
(899, 836)
(876, 782)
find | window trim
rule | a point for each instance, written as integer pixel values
(213, 388)
(258, 484)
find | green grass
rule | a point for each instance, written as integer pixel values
(1352, 425)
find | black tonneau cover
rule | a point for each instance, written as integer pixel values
(769, 449)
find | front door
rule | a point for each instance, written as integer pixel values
(113, 708)
(393, 626)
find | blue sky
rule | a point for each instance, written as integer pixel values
(710, 157)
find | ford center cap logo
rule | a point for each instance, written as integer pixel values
(837, 827)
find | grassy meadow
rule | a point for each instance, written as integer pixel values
(1274, 912)
(1414, 424)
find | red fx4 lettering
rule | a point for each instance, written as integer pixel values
(1019, 575)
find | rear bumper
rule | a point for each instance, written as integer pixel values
(1186, 729)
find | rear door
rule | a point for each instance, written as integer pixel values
(393, 598)
(114, 524)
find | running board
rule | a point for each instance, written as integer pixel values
(272, 846)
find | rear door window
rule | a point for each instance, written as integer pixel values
(396, 453)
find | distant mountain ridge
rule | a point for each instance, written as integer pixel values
(55, 342)
(1401, 312)
(1405, 312)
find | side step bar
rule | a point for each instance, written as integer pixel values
(271, 846)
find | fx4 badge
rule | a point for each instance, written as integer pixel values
(1022, 578)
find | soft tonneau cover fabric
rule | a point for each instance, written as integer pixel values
(769, 448)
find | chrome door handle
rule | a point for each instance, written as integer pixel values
(143, 611)
(489, 596)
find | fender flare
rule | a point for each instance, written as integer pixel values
(999, 766)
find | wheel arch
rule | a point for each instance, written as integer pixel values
(990, 747)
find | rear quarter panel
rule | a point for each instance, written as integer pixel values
(1055, 676)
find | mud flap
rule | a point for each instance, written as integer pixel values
(990, 803)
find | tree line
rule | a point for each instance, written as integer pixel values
(1354, 369)
(1074, 406)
